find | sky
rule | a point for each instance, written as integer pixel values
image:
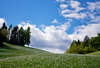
(54, 23)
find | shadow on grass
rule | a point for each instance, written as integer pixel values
(5, 46)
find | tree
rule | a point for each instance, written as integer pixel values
(73, 43)
(78, 42)
(14, 35)
(27, 36)
(95, 42)
(21, 37)
(9, 32)
(1, 38)
(86, 40)
(3, 34)
(4, 26)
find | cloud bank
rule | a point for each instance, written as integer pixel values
(50, 38)
(55, 39)
(2, 20)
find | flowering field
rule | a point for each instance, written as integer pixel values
(34, 58)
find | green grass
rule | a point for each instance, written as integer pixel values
(13, 50)
(95, 53)
(24, 57)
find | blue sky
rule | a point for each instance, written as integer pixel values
(54, 23)
(37, 11)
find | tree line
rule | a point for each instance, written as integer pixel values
(86, 46)
(16, 35)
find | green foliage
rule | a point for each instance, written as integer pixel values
(4, 26)
(14, 36)
(3, 34)
(27, 36)
(95, 53)
(17, 35)
(87, 46)
(20, 36)
(78, 42)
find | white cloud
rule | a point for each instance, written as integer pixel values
(63, 6)
(76, 5)
(94, 6)
(2, 20)
(53, 50)
(94, 14)
(65, 11)
(60, 0)
(55, 39)
(95, 19)
(55, 21)
(74, 11)
(52, 37)
(81, 31)
(64, 26)
(75, 15)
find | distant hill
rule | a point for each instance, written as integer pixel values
(88, 45)
(95, 53)
(13, 56)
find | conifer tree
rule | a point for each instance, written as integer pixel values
(14, 35)
(21, 37)
(27, 36)
(3, 34)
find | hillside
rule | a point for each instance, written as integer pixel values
(12, 56)
(95, 53)
(13, 50)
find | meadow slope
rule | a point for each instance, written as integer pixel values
(12, 56)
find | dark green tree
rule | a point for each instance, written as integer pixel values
(86, 40)
(3, 34)
(27, 36)
(14, 35)
(21, 37)
(4, 26)
(78, 42)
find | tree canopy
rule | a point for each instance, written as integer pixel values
(86, 46)
(3, 34)
(16, 35)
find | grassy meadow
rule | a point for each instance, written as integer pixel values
(12, 56)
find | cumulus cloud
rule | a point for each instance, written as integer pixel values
(55, 21)
(63, 6)
(94, 6)
(53, 50)
(60, 0)
(75, 5)
(65, 11)
(75, 15)
(95, 19)
(81, 31)
(50, 37)
(74, 11)
(55, 39)
(2, 20)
